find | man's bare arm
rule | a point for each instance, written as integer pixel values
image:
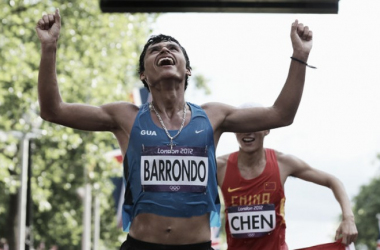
(230, 119)
(292, 166)
(53, 109)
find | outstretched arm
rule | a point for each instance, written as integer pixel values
(52, 107)
(229, 119)
(292, 166)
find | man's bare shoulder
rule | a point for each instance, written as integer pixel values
(222, 160)
(215, 106)
(290, 164)
(285, 165)
(120, 107)
(217, 113)
(122, 114)
(285, 158)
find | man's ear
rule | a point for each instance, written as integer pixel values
(188, 72)
(142, 77)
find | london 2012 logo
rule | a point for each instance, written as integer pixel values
(175, 188)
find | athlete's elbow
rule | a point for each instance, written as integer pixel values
(48, 116)
(286, 121)
(334, 182)
(50, 111)
(284, 117)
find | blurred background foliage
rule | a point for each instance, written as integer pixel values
(96, 64)
(366, 209)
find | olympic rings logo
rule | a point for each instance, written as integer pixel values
(175, 188)
(251, 235)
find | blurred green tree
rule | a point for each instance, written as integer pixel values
(367, 206)
(96, 63)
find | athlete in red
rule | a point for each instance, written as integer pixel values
(252, 182)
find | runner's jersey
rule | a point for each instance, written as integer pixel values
(175, 182)
(262, 190)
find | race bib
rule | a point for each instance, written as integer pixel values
(251, 221)
(180, 169)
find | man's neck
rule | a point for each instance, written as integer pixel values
(251, 160)
(168, 100)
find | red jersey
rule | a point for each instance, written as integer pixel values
(338, 245)
(255, 229)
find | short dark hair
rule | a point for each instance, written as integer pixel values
(157, 39)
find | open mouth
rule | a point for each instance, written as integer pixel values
(248, 139)
(165, 61)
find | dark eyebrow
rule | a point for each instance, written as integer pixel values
(173, 45)
(158, 46)
(154, 46)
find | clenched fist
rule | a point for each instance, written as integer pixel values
(302, 39)
(48, 28)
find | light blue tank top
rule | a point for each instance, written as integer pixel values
(174, 182)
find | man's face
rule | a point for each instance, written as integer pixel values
(250, 142)
(164, 61)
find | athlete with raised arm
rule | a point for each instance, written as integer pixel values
(252, 182)
(168, 144)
